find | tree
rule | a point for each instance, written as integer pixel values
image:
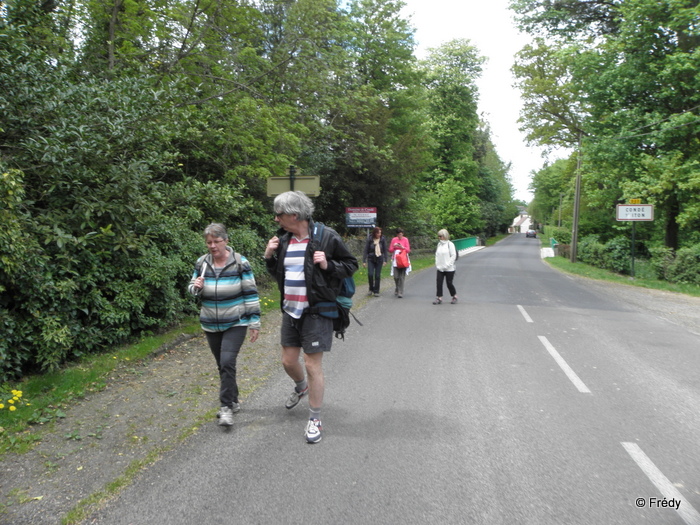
(630, 81)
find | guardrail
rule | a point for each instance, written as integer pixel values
(554, 244)
(468, 242)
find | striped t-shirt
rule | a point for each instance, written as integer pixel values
(295, 298)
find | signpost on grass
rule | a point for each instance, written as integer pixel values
(634, 211)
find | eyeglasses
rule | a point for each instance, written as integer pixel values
(215, 241)
(278, 215)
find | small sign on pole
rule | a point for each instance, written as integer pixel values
(635, 212)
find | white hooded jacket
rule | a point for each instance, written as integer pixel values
(445, 256)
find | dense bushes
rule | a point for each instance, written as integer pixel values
(682, 266)
(561, 235)
(95, 246)
(685, 267)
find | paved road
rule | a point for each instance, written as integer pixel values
(535, 400)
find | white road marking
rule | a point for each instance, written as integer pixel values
(685, 509)
(566, 368)
(522, 311)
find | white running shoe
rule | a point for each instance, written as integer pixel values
(225, 417)
(313, 431)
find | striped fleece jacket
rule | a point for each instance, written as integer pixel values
(229, 299)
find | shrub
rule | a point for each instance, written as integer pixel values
(562, 235)
(617, 255)
(591, 251)
(661, 259)
(685, 268)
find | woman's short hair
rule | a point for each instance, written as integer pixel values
(444, 233)
(399, 230)
(376, 230)
(216, 230)
(294, 203)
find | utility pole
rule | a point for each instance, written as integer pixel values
(577, 203)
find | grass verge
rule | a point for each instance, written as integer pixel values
(586, 270)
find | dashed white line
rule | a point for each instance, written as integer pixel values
(522, 311)
(685, 509)
(565, 367)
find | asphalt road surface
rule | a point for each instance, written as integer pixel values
(534, 400)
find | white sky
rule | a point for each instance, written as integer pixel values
(489, 26)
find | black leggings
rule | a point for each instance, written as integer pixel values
(225, 347)
(440, 277)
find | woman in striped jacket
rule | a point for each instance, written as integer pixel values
(225, 283)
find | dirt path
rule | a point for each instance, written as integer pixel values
(144, 410)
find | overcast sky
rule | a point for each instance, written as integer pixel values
(488, 25)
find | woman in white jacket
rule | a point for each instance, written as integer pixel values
(445, 257)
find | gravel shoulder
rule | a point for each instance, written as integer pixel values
(145, 409)
(679, 309)
(150, 407)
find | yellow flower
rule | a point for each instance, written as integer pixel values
(13, 408)
(11, 401)
(2, 406)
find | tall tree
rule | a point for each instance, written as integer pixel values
(630, 81)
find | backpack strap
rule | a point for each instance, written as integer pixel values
(319, 228)
(239, 261)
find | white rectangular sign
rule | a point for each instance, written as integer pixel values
(635, 212)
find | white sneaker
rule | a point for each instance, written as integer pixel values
(225, 417)
(235, 408)
(313, 431)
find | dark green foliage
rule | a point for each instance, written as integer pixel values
(685, 267)
(661, 260)
(615, 255)
(591, 251)
(561, 235)
(618, 255)
(118, 148)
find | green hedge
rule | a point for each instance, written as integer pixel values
(682, 266)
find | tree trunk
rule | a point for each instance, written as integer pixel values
(671, 239)
(113, 32)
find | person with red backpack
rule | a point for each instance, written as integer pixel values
(400, 247)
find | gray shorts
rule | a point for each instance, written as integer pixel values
(313, 332)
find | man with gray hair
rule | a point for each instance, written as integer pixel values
(307, 274)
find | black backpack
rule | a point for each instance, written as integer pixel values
(343, 301)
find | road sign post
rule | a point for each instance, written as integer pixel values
(309, 184)
(634, 211)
